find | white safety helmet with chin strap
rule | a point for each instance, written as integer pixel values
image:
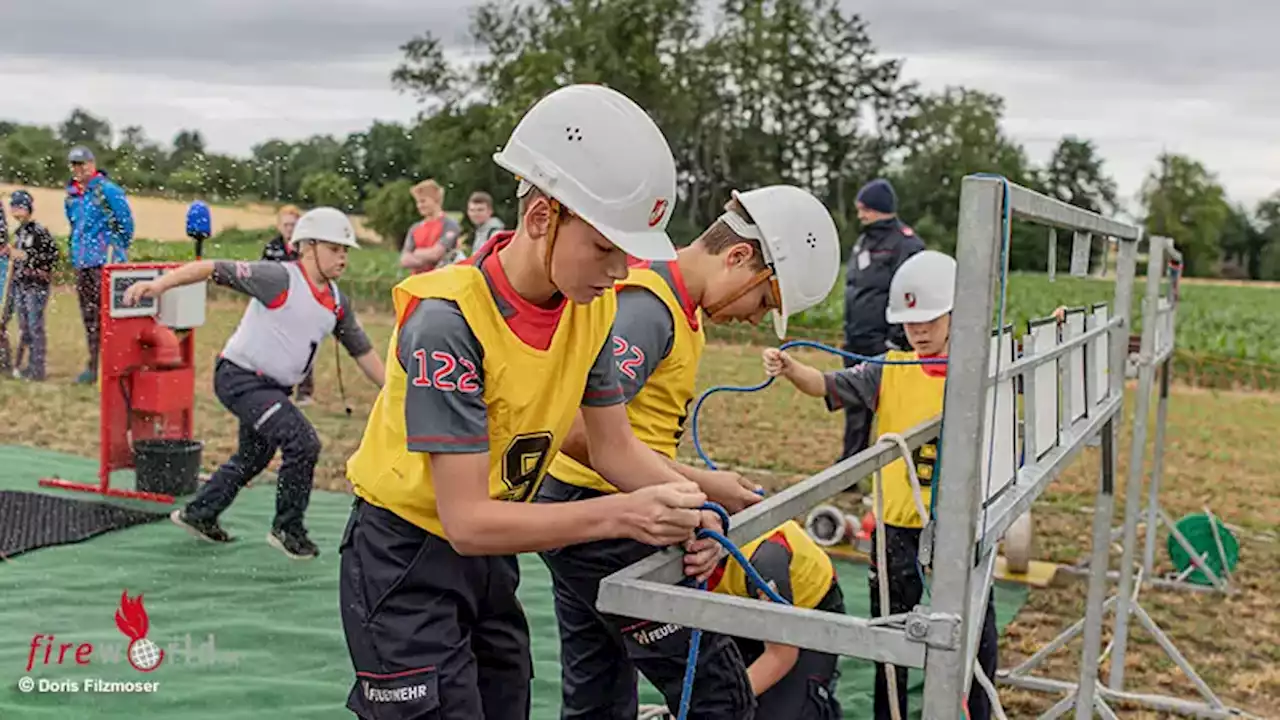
(923, 289)
(327, 225)
(599, 154)
(800, 245)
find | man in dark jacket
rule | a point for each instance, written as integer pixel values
(885, 243)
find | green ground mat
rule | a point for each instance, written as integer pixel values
(247, 633)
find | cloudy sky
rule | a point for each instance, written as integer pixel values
(1136, 76)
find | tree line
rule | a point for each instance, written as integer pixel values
(769, 91)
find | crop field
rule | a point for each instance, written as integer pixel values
(1221, 452)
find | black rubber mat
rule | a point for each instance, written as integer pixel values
(30, 521)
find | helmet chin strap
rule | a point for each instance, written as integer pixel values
(337, 359)
(714, 309)
(553, 227)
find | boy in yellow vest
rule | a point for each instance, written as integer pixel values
(774, 250)
(487, 367)
(921, 295)
(791, 683)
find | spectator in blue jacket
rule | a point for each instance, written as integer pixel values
(101, 232)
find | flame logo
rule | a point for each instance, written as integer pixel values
(659, 209)
(131, 617)
(132, 620)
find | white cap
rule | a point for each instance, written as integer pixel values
(325, 224)
(602, 156)
(923, 289)
(799, 241)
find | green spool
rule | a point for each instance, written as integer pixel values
(1198, 531)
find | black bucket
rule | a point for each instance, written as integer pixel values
(167, 466)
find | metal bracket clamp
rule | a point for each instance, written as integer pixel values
(937, 630)
(925, 553)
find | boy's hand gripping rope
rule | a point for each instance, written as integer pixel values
(697, 407)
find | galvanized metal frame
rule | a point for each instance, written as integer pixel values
(980, 237)
(973, 510)
(1166, 312)
(1156, 351)
(649, 589)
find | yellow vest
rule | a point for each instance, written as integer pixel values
(908, 396)
(811, 568)
(529, 416)
(659, 410)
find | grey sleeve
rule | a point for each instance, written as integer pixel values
(265, 280)
(449, 233)
(773, 561)
(444, 408)
(643, 335)
(407, 246)
(854, 387)
(348, 330)
(603, 388)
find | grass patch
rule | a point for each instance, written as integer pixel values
(1220, 451)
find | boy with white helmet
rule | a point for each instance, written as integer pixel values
(921, 295)
(295, 305)
(774, 250)
(488, 365)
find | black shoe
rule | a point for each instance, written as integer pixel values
(207, 530)
(294, 544)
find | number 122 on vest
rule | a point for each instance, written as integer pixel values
(446, 365)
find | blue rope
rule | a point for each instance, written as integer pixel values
(697, 407)
(695, 640)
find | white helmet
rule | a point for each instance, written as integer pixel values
(923, 289)
(599, 154)
(799, 241)
(325, 224)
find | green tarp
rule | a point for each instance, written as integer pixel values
(247, 633)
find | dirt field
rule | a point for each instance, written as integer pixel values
(1221, 452)
(160, 218)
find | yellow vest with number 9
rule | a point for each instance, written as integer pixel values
(659, 410)
(532, 397)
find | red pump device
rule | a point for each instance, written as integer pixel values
(146, 381)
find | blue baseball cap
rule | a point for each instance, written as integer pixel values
(22, 199)
(79, 154)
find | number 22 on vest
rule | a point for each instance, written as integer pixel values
(635, 356)
(445, 366)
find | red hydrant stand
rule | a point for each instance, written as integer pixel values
(146, 373)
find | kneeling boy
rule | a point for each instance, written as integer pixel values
(790, 683)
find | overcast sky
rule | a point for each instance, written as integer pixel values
(1135, 76)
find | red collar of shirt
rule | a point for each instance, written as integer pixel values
(681, 290)
(934, 369)
(534, 325)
